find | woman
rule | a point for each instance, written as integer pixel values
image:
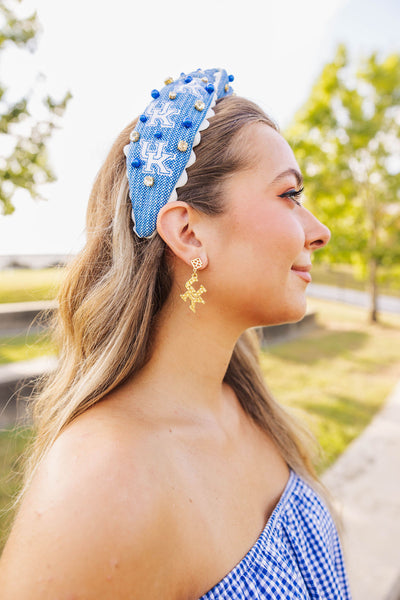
(162, 467)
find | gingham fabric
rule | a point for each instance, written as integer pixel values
(161, 146)
(297, 556)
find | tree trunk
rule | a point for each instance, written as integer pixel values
(372, 213)
(373, 290)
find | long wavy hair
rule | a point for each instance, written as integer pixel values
(114, 288)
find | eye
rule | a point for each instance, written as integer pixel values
(293, 195)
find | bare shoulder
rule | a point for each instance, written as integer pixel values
(94, 523)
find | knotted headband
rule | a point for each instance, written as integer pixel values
(161, 145)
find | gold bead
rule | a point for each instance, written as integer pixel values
(168, 81)
(199, 105)
(205, 79)
(148, 180)
(227, 87)
(196, 263)
(135, 136)
(172, 95)
(182, 146)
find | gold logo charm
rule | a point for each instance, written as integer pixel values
(194, 295)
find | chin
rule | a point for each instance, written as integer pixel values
(287, 313)
(297, 313)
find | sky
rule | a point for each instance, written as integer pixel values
(111, 54)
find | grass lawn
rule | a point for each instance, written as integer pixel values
(12, 444)
(24, 347)
(338, 376)
(335, 378)
(26, 285)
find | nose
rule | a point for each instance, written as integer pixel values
(317, 234)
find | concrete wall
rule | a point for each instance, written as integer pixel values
(22, 317)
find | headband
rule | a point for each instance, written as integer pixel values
(161, 145)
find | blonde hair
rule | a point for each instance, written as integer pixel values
(116, 286)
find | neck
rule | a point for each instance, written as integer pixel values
(190, 356)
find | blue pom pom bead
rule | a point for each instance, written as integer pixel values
(187, 123)
(136, 163)
(155, 94)
(210, 88)
(231, 78)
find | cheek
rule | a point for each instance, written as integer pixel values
(250, 271)
(254, 250)
(271, 236)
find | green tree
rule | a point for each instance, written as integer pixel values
(25, 163)
(346, 139)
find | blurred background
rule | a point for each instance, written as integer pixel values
(74, 74)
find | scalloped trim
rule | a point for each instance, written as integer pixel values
(192, 158)
(197, 138)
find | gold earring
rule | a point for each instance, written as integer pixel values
(194, 295)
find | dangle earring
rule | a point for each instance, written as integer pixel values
(194, 295)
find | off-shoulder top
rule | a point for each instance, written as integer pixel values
(297, 556)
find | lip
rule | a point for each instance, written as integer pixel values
(303, 272)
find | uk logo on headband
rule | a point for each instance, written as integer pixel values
(155, 158)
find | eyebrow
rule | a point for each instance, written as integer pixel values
(297, 175)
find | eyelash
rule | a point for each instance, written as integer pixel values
(293, 195)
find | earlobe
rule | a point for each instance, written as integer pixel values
(176, 225)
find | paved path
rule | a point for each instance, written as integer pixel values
(349, 296)
(366, 483)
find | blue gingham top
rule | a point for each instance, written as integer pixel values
(297, 556)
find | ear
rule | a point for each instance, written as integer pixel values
(178, 225)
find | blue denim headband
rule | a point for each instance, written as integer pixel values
(161, 146)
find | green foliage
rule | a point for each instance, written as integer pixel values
(346, 140)
(18, 31)
(26, 164)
